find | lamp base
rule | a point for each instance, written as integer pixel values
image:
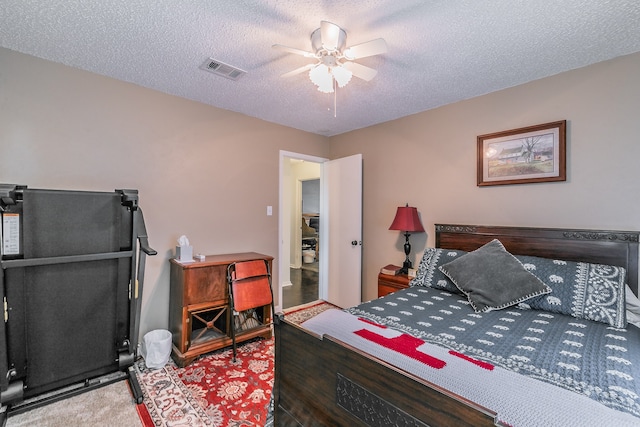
(406, 265)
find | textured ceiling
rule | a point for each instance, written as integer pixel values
(439, 51)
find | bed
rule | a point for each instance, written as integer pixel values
(421, 366)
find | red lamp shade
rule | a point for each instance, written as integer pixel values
(407, 219)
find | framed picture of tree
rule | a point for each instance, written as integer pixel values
(521, 156)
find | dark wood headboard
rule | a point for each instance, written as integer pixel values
(618, 248)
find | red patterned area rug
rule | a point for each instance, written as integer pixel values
(213, 391)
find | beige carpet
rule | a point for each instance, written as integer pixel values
(107, 406)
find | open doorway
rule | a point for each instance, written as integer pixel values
(300, 229)
(340, 230)
(304, 276)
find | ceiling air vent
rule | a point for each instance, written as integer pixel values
(221, 69)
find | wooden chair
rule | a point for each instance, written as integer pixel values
(249, 290)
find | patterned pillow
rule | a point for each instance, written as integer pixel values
(493, 279)
(579, 289)
(428, 274)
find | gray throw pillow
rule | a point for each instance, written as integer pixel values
(492, 278)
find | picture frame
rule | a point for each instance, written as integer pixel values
(523, 156)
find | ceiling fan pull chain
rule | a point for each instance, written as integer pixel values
(335, 102)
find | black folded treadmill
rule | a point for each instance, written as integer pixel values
(71, 284)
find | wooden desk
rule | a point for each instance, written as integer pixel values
(199, 306)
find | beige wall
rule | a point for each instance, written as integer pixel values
(210, 173)
(201, 171)
(429, 161)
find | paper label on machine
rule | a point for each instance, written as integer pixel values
(10, 234)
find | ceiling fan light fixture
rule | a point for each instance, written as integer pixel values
(321, 76)
(325, 88)
(342, 75)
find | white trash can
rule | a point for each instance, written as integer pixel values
(156, 348)
(308, 256)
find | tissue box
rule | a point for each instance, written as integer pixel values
(184, 253)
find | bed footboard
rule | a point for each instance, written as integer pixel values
(320, 381)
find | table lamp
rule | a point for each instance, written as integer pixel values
(407, 220)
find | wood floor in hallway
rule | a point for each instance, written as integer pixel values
(304, 286)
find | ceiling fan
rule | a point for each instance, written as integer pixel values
(334, 61)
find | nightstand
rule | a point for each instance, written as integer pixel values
(388, 284)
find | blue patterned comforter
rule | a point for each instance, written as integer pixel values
(590, 358)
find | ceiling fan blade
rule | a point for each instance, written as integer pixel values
(298, 70)
(330, 35)
(362, 50)
(294, 50)
(360, 71)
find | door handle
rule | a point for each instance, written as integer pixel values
(354, 243)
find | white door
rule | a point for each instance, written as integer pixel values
(341, 245)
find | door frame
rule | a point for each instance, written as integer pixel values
(284, 226)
